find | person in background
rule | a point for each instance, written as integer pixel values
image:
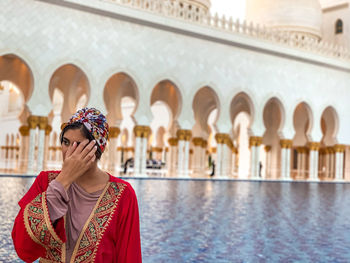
(81, 213)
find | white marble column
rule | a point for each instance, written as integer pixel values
(113, 140)
(47, 154)
(204, 157)
(43, 122)
(226, 161)
(218, 163)
(197, 165)
(313, 161)
(180, 159)
(144, 142)
(255, 144)
(233, 166)
(137, 157)
(339, 161)
(186, 158)
(285, 158)
(171, 160)
(184, 137)
(23, 156)
(33, 122)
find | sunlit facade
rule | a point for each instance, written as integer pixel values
(184, 91)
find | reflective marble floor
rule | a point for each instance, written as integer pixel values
(224, 221)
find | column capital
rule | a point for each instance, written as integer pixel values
(157, 149)
(173, 141)
(204, 143)
(330, 150)
(286, 144)
(142, 131)
(221, 137)
(48, 129)
(184, 135)
(255, 141)
(43, 122)
(234, 150)
(314, 146)
(24, 130)
(129, 149)
(33, 121)
(213, 149)
(339, 148)
(114, 132)
(267, 148)
(64, 124)
(302, 149)
(197, 141)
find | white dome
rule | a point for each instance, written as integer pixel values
(298, 16)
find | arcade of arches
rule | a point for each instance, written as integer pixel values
(31, 143)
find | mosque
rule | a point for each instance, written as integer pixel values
(187, 93)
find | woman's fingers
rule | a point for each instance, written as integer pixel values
(88, 148)
(81, 146)
(71, 149)
(91, 155)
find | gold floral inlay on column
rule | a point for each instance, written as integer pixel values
(33, 121)
(339, 148)
(286, 144)
(314, 146)
(114, 132)
(172, 141)
(24, 130)
(184, 135)
(255, 141)
(302, 149)
(64, 124)
(43, 122)
(48, 129)
(197, 141)
(220, 137)
(142, 131)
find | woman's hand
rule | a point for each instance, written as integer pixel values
(78, 159)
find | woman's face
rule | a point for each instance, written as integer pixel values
(69, 137)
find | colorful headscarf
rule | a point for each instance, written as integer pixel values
(95, 122)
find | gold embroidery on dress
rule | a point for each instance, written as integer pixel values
(38, 225)
(94, 228)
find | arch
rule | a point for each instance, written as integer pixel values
(204, 102)
(274, 105)
(273, 119)
(73, 83)
(168, 92)
(302, 122)
(338, 26)
(242, 102)
(118, 86)
(329, 126)
(14, 69)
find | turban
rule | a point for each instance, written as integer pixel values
(95, 122)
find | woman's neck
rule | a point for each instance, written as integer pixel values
(93, 179)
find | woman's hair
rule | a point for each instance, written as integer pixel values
(85, 132)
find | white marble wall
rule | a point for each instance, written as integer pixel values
(152, 48)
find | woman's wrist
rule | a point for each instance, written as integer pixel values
(63, 180)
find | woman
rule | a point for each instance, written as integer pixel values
(81, 213)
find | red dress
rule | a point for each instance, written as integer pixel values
(111, 234)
